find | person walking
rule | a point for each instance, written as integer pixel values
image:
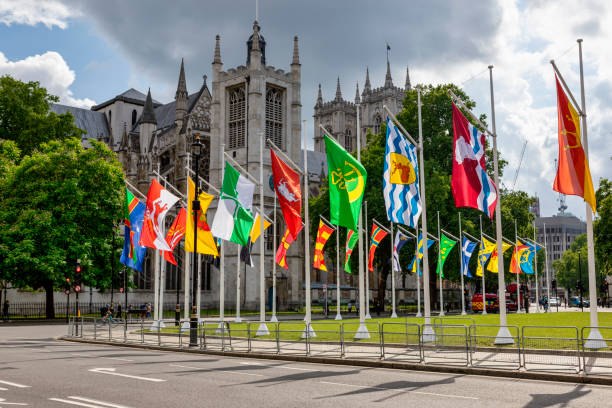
(149, 311)
(119, 310)
(5, 311)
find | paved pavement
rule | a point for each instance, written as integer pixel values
(38, 371)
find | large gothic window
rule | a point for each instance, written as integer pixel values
(348, 141)
(236, 118)
(274, 116)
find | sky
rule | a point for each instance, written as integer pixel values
(88, 51)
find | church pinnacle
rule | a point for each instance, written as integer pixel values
(338, 92)
(148, 113)
(181, 89)
(367, 87)
(296, 52)
(320, 97)
(357, 99)
(388, 80)
(217, 59)
(407, 85)
(255, 36)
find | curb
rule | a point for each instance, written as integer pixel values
(437, 368)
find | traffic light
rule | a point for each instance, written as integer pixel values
(67, 286)
(554, 284)
(78, 277)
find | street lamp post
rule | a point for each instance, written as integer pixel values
(196, 148)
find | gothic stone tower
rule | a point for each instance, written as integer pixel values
(249, 103)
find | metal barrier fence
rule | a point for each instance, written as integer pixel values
(549, 348)
(545, 348)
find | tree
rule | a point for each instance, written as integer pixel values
(437, 138)
(59, 204)
(602, 228)
(568, 268)
(25, 116)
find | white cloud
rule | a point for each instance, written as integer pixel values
(50, 70)
(32, 12)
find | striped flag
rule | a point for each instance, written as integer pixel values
(351, 240)
(400, 241)
(377, 235)
(413, 265)
(466, 253)
(133, 254)
(323, 235)
(401, 178)
(281, 253)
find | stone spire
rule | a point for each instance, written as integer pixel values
(217, 59)
(357, 99)
(182, 84)
(407, 86)
(123, 145)
(148, 114)
(296, 52)
(255, 36)
(367, 87)
(320, 97)
(181, 94)
(338, 91)
(388, 80)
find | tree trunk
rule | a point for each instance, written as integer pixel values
(49, 305)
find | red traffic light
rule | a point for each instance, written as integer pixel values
(78, 269)
(120, 290)
(67, 291)
(77, 288)
(68, 280)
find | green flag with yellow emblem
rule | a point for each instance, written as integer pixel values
(445, 246)
(347, 179)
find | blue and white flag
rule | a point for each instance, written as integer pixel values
(467, 249)
(526, 259)
(400, 241)
(414, 266)
(401, 178)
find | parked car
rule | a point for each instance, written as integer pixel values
(574, 301)
(554, 301)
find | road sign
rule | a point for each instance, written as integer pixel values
(77, 288)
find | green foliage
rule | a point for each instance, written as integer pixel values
(57, 205)
(437, 138)
(602, 227)
(568, 268)
(25, 117)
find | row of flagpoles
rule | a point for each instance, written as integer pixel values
(405, 202)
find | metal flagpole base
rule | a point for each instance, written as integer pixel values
(429, 335)
(185, 326)
(157, 324)
(273, 319)
(521, 311)
(238, 319)
(419, 314)
(368, 317)
(362, 332)
(338, 317)
(394, 315)
(308, 332)
(441, 314)
(262, 330)
(200, 320)
(463, 313)
(220, 328)
(595, 340)
(503, 336)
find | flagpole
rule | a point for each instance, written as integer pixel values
(518, 271)
(367, 271)
(535, 260)
(338, 294)
(439, 267)
(483, 270)
(362, 331)
(393, 314)
(238, 319)
(503, 335)
(199, 291)
(221, 260)
(547, 270)
(418, 271)
(262, 330)
(308, 317)
(187, 261)
(463, 312)
(274, 319)
(428, 330)
(595, 338)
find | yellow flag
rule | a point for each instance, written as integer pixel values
(486, 249)
(206, 242)
(256, 230)
(493, 263)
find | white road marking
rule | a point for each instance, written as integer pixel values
(12, 384)
(249, 363)
(40, 350)
(3, 402)
(185, 366)
(3, 389)
(400, 389)
(117, 358)
(295, 368)
(241, 373)
(80, 404)
(106, 404)
(111, 371)
(108, 358)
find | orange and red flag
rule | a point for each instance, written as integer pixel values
(573, 175)
(323, 235)
(281, 253)
(175, 234)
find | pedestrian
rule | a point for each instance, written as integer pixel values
(103, 310)
(526, 303)
(149, 311)
(119, 310)
(112, 309)
(5, 311)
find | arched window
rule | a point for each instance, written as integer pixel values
(348, 141)
(134, 114)
(377, 122)
(274, 116)
(236, 118)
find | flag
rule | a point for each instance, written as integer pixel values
(234, 219)
(214, 260)
(245, 251)
(351, 240)
(573, 174)
(281, 252)
(520, 250)
(493, 262)
(486, 249)
(398, 244)
(206, 242)
(175, 234)
(323, 235)
(471, 185)
(287, 187)
(159, 201)
(377, 235)
(413, 265)
(445, 246)
(466, 253)
(526, 260)
(133, 254)
(347, 179)
(401, 178)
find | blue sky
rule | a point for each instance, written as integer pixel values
(89, 51)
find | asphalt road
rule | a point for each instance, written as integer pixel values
(38, 371)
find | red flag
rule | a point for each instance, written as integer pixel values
(322, 236)
(159, 201)
(287, 187)
(175, 234)
(281, 253)
(377, 235)
(573, 175)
